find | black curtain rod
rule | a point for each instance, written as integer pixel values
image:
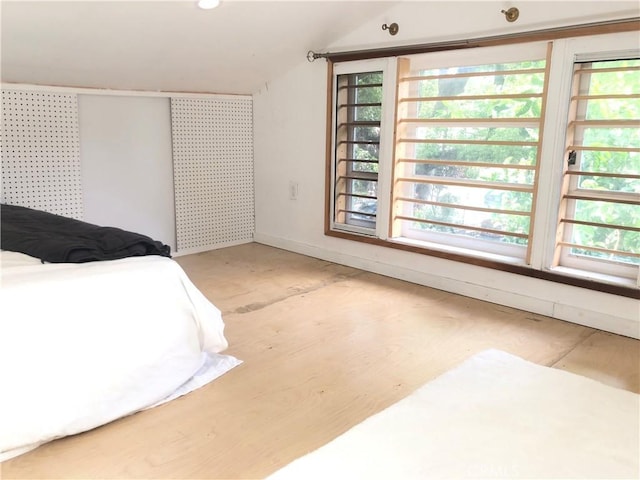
(632, 23)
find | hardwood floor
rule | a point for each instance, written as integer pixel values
(324, 346)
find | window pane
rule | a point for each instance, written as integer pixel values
(490, 174)
(357, 147)
(600, 218)
(475, 207)
(469, 142)
(479, 152)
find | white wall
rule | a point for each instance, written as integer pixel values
(289, 145)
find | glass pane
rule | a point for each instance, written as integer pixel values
(459, 197)
(496, 79)
(611, 184)
(607, 166)
(366, 134)
(614, 82)
(607, 238)
(367, 207)
(477, 134)
(472, 234)
(612, 137)
(364, 167)
(477, 197)
(610, 257)
(363, 187)
(479, 92)
(622, 108)
(358, 101)
(487, 108)
(488, 174)
(369, 113)
(610, 213)
(510, 154)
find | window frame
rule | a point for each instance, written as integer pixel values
(511, 253)
(386, 66)
(568, 46)
(571, 186)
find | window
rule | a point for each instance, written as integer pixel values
(358, 115)
(467, 147)
(599, 227)
(522, 157)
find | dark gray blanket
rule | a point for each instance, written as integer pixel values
(58, 239)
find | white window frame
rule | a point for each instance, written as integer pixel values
(566, 53)
(503, 252)
(387, 67)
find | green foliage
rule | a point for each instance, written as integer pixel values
(497, 81)
(369, 93)
(611, 213)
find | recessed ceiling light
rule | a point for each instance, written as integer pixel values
(208, 4)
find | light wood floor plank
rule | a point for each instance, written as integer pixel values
(608, 358)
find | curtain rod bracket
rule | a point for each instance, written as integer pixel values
(313, 56)
(511, 15)
(393, 28)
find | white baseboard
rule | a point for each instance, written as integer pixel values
(603, 319)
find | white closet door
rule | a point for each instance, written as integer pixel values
(127, 172)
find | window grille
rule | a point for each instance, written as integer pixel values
(357, 149)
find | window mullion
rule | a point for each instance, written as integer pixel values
(536, 183)
(402, 149)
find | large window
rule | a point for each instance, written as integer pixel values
(488, 143)
(467, 147)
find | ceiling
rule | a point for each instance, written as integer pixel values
(168, 45)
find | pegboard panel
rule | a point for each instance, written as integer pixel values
(41, 151)
(213, 171)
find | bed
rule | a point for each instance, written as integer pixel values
(82, 344)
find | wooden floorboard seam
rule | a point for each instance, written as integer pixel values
(568, 352)
(252, 307)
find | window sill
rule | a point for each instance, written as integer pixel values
(595, 277)
(466, 252)
(575, 278)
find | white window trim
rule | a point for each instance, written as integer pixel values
(565, 53)
(478, 248)
(385, 160)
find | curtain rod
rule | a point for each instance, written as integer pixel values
(624, 24)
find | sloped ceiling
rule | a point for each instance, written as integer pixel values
(168, 45)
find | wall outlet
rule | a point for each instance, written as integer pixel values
(293, 190)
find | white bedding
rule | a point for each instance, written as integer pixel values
(494, 416)
(84, 344)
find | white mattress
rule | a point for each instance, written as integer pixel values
(84, 344)
(495, 416)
